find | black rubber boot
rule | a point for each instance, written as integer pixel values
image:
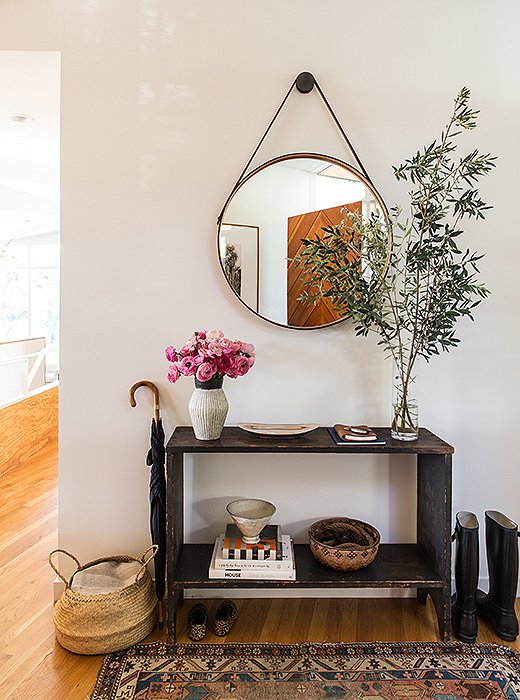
(463, 601)
(498, 606)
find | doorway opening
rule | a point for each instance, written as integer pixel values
(29, 221)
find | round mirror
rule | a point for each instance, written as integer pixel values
(266, 220)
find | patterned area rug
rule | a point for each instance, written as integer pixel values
(371, 671)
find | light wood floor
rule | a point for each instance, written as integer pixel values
(33, 666)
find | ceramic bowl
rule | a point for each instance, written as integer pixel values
(250, 515)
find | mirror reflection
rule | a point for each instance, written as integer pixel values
(276, 206)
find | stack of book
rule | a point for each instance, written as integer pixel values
(272, 558)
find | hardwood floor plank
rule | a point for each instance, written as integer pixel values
(250, 621)
(302, 623)
(272, 619)
(27, 652)
(20, 542)
(287, 617)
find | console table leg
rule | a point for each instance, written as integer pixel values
(442, 601)
(434, 529)
(171, 619)
(173, 605)
(174, 534)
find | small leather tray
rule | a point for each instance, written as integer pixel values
(354, 433)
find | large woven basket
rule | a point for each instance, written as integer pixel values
(107, 605)
(358, 548)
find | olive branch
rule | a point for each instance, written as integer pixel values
(413, 295)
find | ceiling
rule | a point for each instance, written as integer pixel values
(29, 151)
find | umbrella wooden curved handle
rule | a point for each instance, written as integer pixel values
(155, 392)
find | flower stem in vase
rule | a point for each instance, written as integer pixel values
(405, 419)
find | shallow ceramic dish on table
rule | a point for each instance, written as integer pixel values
(278, 429)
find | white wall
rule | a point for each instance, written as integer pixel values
(158, 119)
(259, 203)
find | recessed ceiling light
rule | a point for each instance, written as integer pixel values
(21, 118)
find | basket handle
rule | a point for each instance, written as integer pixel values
(63, 551)
(147, 559)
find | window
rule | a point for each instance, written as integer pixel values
(29, 290)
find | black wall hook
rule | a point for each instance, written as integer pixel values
(305, 82)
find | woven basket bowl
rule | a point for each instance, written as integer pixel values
(358, 551)
(100, 624)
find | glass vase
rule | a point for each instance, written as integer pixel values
(405, 410)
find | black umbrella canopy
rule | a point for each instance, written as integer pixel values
(155, 460)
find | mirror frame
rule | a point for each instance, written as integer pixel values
(279, 159)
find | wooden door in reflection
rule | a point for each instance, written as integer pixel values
(310, 225)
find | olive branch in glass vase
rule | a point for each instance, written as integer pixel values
(414, 293)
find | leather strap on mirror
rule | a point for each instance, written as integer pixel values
(304, 83)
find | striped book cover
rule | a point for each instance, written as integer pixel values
(259, 571)
(269, 546)
(286, 563)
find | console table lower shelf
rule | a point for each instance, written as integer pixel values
(396, 566)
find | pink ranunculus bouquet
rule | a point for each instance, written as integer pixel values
(210, 355)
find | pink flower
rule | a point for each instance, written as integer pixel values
(214, 349)
(215, 334)
(242, 365)
(187, 349)
(173, 373)
(247, 348)
(187, 366)
(171, 354)
(224, 363)
(210, 353)
(232, 372)
(229, 346)
(206, 371)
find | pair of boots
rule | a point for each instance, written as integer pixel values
(498, 605)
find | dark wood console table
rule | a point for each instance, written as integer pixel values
(424, 565)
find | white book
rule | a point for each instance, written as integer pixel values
(252, 574)
(286, 563)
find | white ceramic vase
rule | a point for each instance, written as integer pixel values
(208, 409)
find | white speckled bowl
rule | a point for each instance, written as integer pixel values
(251, 515)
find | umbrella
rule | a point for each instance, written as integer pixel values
(155, 460)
